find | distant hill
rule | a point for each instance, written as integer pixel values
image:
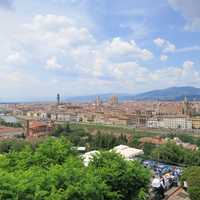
(172, 93)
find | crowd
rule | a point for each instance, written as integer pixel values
(165, 177)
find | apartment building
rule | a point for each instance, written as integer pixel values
(196, 122)
(177, 122)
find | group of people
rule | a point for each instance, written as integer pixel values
(162, 182)
(158, 185)
(165, 177)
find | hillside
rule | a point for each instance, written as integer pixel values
(173, 93)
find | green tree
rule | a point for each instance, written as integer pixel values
(192, 176)
(52, 170)
(127, 178)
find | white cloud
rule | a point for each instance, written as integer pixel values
(15, 58)
(167, 47)
(52, 63)
(119, 47)
(54, 38)
(163, 57)
(190, 10)
(184, 75)
(188, 49)
(80, 63)
(159, 42)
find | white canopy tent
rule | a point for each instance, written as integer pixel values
(127, 152)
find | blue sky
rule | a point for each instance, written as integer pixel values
(81, 47)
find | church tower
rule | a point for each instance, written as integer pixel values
(186, 107)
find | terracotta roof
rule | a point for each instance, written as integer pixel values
(37, 124)
(152, 140)
(4, 129)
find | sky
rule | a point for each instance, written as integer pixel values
(84, 47)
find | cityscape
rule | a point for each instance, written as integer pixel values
(99, 100)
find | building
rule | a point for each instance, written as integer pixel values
(98, 101)
(196, 122)
(170, 122)
(154, 122)
(141, 120)
(185, 145)
(10, 132)
(58, 99)
(177, 122)
(152, 140)
(36, 129)
(186, 109)
(114, 100)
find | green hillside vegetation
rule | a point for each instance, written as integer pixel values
(93, 128)
(174, 154)
(82, 137)
(52, 170)
(192, 176)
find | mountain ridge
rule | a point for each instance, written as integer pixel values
(167, 94)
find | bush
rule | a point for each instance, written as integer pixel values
(53, 171)
(192, 176)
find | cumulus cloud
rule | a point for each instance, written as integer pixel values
(159, 42)
(69, 53)
(183, 75)
(190, 10)
(119, 47)
(56, 38)
(16, 59)
(163, 57)
(167, 47)
(52, 63)
(189, 49)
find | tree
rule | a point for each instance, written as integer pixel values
(52, 170)
(192, 176)
(127, 178)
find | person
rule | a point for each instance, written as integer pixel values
(155, 182)
(175, 178)
(185, 185)
(162, 187)
(158, 185)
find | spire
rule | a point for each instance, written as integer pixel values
(58, 99)
(185, 99)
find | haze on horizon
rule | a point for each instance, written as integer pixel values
(82, 47)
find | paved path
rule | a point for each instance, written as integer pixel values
(177, 193)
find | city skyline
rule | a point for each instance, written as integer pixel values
(83, 47)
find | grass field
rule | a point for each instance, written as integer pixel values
(114, 129)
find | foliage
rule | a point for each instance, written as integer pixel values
(192, 176)
(172, 153)
(106, 141)
(77, 137)
(52, 170)
(185, 138)
(148, 148)
(80, 137)
(125, 177)
(12, 145)
(10, 124)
